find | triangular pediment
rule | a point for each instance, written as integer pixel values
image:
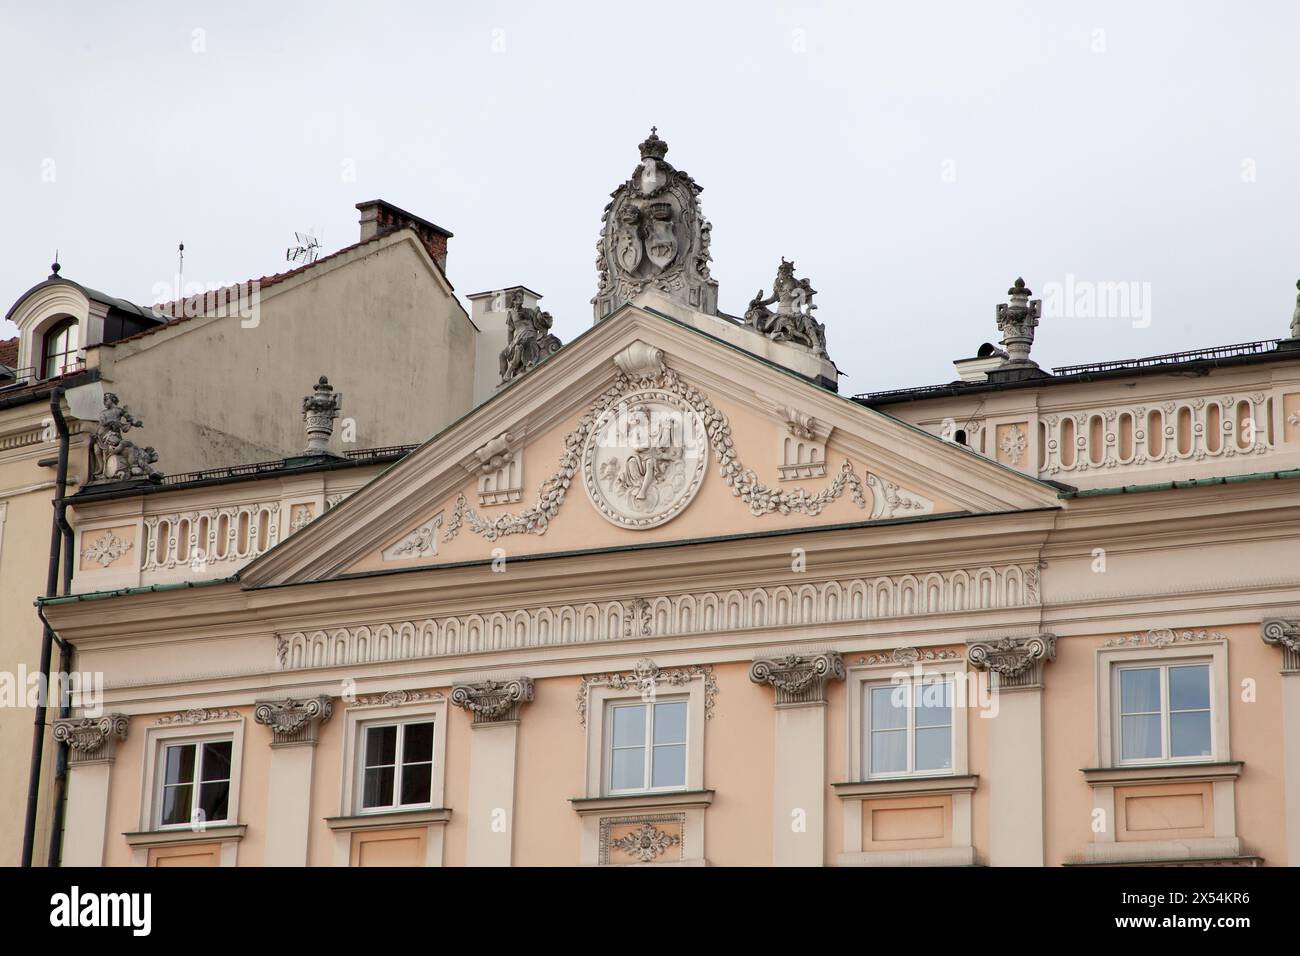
(643, 431)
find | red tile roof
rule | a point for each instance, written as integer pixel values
(9, 352)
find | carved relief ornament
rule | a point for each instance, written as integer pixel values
(293, 721)
(652, 416)
(493, 701)
(1286, 635)
(798, 678)
(1017, 661)
(91, 739)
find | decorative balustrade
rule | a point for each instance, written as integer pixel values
(1186, 429)
(210, 535)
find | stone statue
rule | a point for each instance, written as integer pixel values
(1295, 316)
(793, 319)
(319, 409)
(529, 338)
(117, 458)
(1017, 320)
(654, 236)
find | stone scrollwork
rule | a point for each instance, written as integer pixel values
(654, 236)
(1163, 637)
(1017, 661)
(798, 678)
(1286, 635)
(293, 720)
(647, 843)
(91, 739)
(106, 549)
(493, 701)
(420, 543)
(646, 678)
(319, 409)
(660, 397)
(1017, 319)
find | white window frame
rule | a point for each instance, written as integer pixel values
(860, 678)
(358, 718)
(160, 785)
(1109, 663)
(599, 699)
(401, 723)
(909, 730)
(158, 737)
(647, 745)
(1166, 726)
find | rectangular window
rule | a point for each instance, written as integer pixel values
(396, 765)
(909, 728)
(647, 746)
(195, 783)
(1164, 712)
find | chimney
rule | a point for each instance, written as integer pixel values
(379, 217)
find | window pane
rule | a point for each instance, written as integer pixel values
(216, 760)
(378, 787)
(629, 726)
(1189, 687)
(176, 804)
(214, 800)
(670, 723)
(417, 780)
(180, 766)
(628, 769)
(933, 704)
(1139, 690)
(1140, 737)
(669, 768)
(889, 751)
(1189, 734)
(418, 743)
(381, 745)
(934, 748)
(888, 707)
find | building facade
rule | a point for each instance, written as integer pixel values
(667, 598)
(217, 380)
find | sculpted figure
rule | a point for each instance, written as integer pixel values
(529, 338)
(793, 320)
(1295, 316)
(117, 458)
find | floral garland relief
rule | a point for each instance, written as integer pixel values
(744, 483)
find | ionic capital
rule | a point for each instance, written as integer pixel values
(293, 721)
(1017, 661)
(798, 678)
(91, 739)
(493, 701)
(1285, 634)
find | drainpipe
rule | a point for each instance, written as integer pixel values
(66, 651)
(57, 535)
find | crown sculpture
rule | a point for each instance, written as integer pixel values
(528, 338)
(117, 458)
(653, 235)
(793, 319)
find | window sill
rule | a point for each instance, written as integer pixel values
(676, 799)
(384, 821)
(944, 856)
(905, 786)
(1162, 773)
(217, 833)
(1201, 850)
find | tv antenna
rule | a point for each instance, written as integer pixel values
(306, 251)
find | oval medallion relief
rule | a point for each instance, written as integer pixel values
(644, 459)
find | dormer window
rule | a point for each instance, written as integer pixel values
(61, 346)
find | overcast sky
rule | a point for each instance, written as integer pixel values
(912, 158)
